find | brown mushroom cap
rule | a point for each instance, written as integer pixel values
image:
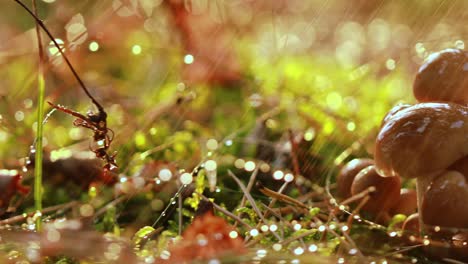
(387, 189)
(445, 202)
(407, 204)
(422, 140)
(443, 77)
(461, 166)
(397, 108)
(348, 173)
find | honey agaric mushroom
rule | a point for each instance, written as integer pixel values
(407, 203)
(443, 77)
(386, 194)
(422, 141)
(445, 202)
(348, 173)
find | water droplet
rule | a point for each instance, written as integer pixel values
(189, 59)
(459, 44)
(93, 46)
(136, 49)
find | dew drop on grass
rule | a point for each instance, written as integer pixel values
(53, 50)
(249, 166)
(459, 44)
(93, 46)
(165, 175)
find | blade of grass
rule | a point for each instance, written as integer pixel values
(281, 197)
(39, 133)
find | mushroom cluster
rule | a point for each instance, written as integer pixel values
(386, 198)
(429, 141)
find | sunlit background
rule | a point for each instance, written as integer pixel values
(352, 59)
(217, 81)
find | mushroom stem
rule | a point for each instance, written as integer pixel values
(422, 184)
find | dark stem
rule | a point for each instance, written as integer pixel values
(42, 25)
(39, 40)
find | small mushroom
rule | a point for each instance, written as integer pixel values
(460, 246)
(386, 194)
(422, 141)
(445, 202)
(407, 204)
(443, 77)
(348, 173)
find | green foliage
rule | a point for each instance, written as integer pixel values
(249, 212)
(142, 234)
(108, 223)
(200, 185)
(396, 219)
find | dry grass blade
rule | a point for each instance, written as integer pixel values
(280, 197)
(292, 239)
(227, 213)
(252, 179)
(359, 196)
(247, 195)
(252, 201)
(47, 210)
(294, 151)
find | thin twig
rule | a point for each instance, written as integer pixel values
(168, 205)
(47, 210)
(252, 179)
(453, 261)
(294, 150)
(180, 214)
(283, 221)
(247, 195)
(253, 176)
(358, 196)
(281, 197)
(273, 201)
(302, 235)
(353, 244)
(275, 214)
(405, 249)
(227, 213)
(356, 211)
(252, 201)
(109, 205)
